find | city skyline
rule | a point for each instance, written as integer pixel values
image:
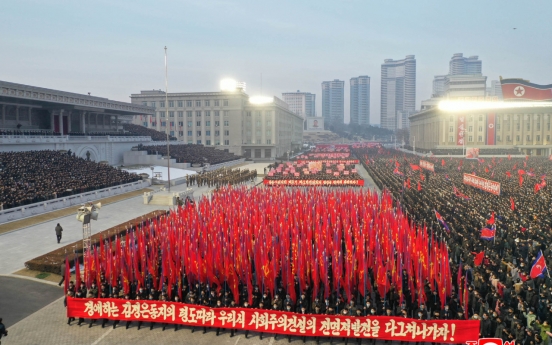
(111, 50)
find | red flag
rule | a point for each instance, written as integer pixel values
(508, 174)
(491, 220)
(479, 259)
(415, 167)
(520, 180)
(419, 186)
(539, 266)
(512, 204)
(443, 162)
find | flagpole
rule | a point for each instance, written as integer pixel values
(167, 127)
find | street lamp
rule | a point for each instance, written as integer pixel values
(151, 167)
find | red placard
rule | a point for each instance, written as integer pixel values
(313, 182)
(259, 320)
(427, 165)
(482, 183)
(329, 161)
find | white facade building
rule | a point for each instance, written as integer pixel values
(301, 103)
(360, 100)
(398, 89)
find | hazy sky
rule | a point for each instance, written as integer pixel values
(115, 48)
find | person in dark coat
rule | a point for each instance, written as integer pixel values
(59, 229)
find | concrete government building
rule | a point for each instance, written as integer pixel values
(255, 127)
(520, 121)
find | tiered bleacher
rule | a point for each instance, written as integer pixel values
(190, 153)
(136, 130)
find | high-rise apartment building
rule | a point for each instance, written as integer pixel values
(333, 93)
(439, 85)
(495, 90)
(398, 90)
(301, 103)
(464, 65)
(360, 100)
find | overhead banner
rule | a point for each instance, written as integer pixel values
(482, 183)
(259, 320)
(307, 183)
(427, 165)
(329, 161)
(461, 130)
(491, 138)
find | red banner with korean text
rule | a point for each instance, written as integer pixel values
(461, 130)
(427, 165)
(270, 321)
(482, 183)
(329, 161)
(307, 183)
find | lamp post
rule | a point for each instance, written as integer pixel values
(151, 167)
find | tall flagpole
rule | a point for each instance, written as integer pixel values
(167, 128)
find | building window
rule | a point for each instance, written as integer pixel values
(207, 104)
(538, 138)
(258, 123)
(217, 142)
(172, 124)
(227, 132)
(171, 133)
(171, 104)
(163, 123)
(508, 138)
(528, 138)
(257, 153)
(480, 117)
(180, 133)
(208, 113)
(217, 133)
(217, 113)
(268, 142)
(217, 123)
(258, 141)
(470, 138)
(517, 138)
(226, 123)
(198, 141)
(189, 114)
(227, 142)
(145, 124)
(208, 123)
(498, 126)
(145, 103)
(198, 103)
(451, 119)
(190, 142)
(268, 132)
(161, 114)
(226, 112)
(538, 126)
(498, 138)
(188, 103)
(198, 133)
(189, 133)
(180, 114)
(268, 114)
(171, 113)
(248, 113)
(190, 124)
(517, 126)
(180, 104)
(548, 138)
(470, 129)
(162, 104)
(481, 128)
(208, 133)
(180, 123)
(548, 125)
(528, 125)
(224, 102)
(269, 123)
(207, 142)
(217, 103)
(198, 113)
(198, 123)
(451, 128)
(451, 139)
(258, 113)
(480, 138)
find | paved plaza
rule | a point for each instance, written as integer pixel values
(33, 309)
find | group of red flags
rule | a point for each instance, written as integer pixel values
(326, 239)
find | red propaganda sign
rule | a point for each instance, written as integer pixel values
(461, 129)
(329, 161)
(482, 183)
(259, 320)
(307, 183)
(491, 140)
(427, 165)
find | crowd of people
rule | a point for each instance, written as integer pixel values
(221, 177)
(30, 132)
(191, 153)
(325, 171)
(510, 304)
(137, 130)
(461, 151)
(34, 176)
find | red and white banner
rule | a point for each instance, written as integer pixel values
(427, 165)
(461, 130)
(482, 183)
(313, 183)
(491, 140)
(325, 155)
(329, 161)
(259, 320)
(472, 153)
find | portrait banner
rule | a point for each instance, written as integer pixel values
(270, 321)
